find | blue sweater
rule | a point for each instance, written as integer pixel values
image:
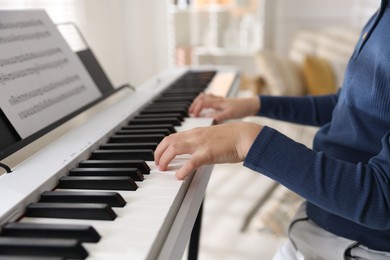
(346, 177)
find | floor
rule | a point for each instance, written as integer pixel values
(235, 202)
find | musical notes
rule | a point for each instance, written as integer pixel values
(32, 70)
(29, 56)
(21, 24)
(50, 102)
(41, 79)
(24, 37)
(15, 100)
(13, 26)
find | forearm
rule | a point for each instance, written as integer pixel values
(307, 110)
(358, 192)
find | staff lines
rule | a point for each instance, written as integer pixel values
(29, 56)
(37, 69)
(18, 99)
(50, 102)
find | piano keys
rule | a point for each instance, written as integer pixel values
(113, 199)
(83, 233)
(100, 155)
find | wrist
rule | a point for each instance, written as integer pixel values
(247, 135)
(253, 104)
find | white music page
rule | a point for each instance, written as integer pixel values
(41, 79)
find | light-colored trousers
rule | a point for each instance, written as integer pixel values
(307, 241)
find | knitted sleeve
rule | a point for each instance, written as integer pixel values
(358, 192)
(307, 110)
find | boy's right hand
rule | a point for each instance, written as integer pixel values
(225, 108)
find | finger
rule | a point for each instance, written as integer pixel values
(209, 102)
(174, 149)
(198, 105)
(196, 100)
(221, 116)
(168, 155)
(200, 97)
(161, 147)
(188, 167)
(197, 159)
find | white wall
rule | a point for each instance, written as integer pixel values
(285, 17)
(103, 27)
(146, 38)
(128, 37)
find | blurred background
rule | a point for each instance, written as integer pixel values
(136, 39)
(282, 47)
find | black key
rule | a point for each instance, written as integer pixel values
(175, 115)
(144, 131)
(175, 99)
(139, 164)
(153, 121)
(170, 128)
(113, 199)
(156, 105)
(162, 104)
(97, 211)
(9, 257)
(128, 146)
(179, 92)
(208, 74)
(200, 88)
(83, 233)
(150, 138)
(134, 173)
(160, 110)
(66, 248)
(97, 183)
(191, 83)
(136, 154)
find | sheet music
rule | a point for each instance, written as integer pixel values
(41, 79)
